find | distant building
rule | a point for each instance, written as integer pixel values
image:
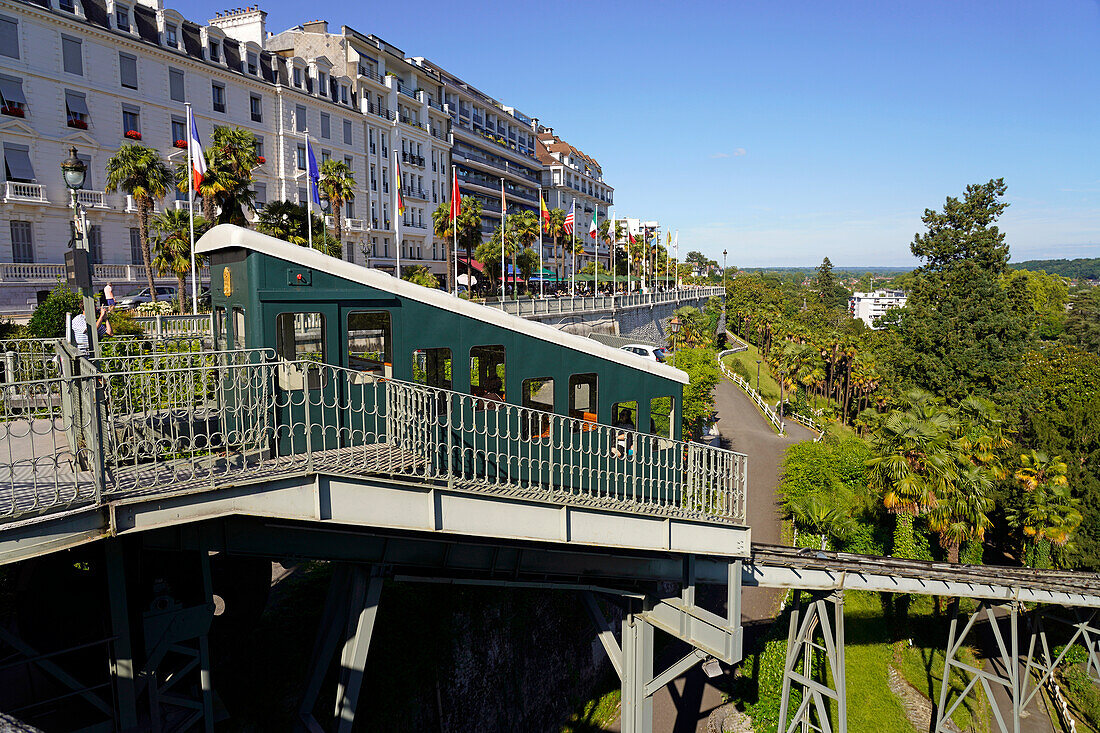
(869, 306)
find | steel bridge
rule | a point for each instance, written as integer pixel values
(165, 446)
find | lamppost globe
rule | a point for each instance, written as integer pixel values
(74, 171)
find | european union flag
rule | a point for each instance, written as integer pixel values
(314, 176)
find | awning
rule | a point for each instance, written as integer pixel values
(76, 103)
(18, 161)
(472, 263)
(12, 91)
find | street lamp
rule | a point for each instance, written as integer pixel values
(75, 172)
(675, 330)
(758, 376)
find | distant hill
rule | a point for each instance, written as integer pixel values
(1079, 268)
(838, 271)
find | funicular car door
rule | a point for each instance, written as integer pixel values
(366, 350)
(307, 384)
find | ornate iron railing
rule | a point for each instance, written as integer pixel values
(151, 420)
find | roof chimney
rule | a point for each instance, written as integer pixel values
(315, 26)
(243, 24)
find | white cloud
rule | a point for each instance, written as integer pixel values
(737, 153)
(720, 155)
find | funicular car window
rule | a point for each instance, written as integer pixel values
(582, 399)
(370, 342)
(538, 394)
(487, 373)
(300, 337)
(432, 367)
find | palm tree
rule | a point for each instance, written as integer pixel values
(226, 187)
(490, 253)
(173, 247)
(525, 228)
(140, 172)
(962, 514)
(284, 220)
(556, 230)
(913, 465)
(338, 183)
(813, 514)
(1050, 514)
(469, 230)
(574, 245)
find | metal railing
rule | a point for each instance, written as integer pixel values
(756, 397)
(200, 325)
(553, 306)
(170, 420)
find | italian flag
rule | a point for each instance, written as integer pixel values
(592, 229)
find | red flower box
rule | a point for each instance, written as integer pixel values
(78, 124)
(12, 111)
(133, 134)
(260, 160)
(180, 144)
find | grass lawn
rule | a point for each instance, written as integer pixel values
(744, 363)
(870, 653)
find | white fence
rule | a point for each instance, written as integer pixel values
(737, 379)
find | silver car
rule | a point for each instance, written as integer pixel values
(164, 292)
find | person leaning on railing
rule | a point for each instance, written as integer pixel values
(79, 327)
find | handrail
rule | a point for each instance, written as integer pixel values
(740, 381)
(96, 429)
(551, 306)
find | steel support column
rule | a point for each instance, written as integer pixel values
(637, 706)
(1008, 677)
(350, 612)
(824, 613)
(122, 657)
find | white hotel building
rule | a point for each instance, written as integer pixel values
(85, 73)
(869, 306)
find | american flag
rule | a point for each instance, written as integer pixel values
(569, 218)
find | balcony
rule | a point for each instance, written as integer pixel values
(16, 191)
(401, 90)
(92, 199)
(131, 206)
(415, 194)
(355, 225)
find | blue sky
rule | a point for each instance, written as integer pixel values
(784, 131)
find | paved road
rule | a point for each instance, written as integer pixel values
(683, 705)
(1037, 717)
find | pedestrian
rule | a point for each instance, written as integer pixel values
(624, 441)
(81, 337)
(109, 296)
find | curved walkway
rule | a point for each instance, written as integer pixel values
(684, 704)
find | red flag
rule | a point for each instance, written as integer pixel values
(631, 235)
(456, 198)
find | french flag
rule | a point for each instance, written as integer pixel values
(194, 153)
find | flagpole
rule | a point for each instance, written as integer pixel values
(397, 213)
(309, 195)
(676, 246)
(454, 227)
(612, 230)
(596, 252)
(191, 210)
(503, 266)
(573, 249)
(542, 276)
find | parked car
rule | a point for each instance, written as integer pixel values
(656, 353)
(137, 297)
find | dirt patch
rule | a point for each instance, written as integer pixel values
(918, 708)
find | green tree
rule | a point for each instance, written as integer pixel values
(226, 187)
(1049, 514)
(815, 514)
(556, 230)
(1082, 327)
(958, 333)
(469, 229)
(699, 392)
(525, 227)
(420, 275)
(140, 172)
(287, 221)
(338, 183)
(830, 291)
(913, 464)
(48, 319)
(173, 247)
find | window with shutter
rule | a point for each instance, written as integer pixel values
(299, 118)
(71, 58)
(95, 243)
(76, 109)
(17, 163)
(176, 86)
(127, 69)
(22, 242)
(326, 127)
(347, 132)
(135, 247)
(9, 37)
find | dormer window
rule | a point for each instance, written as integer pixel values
(215, 51)
(170, 35)
(253, 63)
(297, 77)
(344, 93)
(122, 17)
(322, 83)
(69, 6)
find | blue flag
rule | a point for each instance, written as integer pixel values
(314, 176)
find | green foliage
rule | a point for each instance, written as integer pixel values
(699, 393)
(12, 330)
(960, 332)
(48, 318)
(1084, 268)
(1082, 322)
(123, 324)
(420, 275)
(286, 220)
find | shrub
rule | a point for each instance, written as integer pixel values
(48, 319)
(123, 324)
(154, 308)
(12, 330)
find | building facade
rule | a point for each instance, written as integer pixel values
(571, 177)
(96, 74)
(869, 306)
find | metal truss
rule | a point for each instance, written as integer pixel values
(825, 614)
(710, 635)
(348, 622)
